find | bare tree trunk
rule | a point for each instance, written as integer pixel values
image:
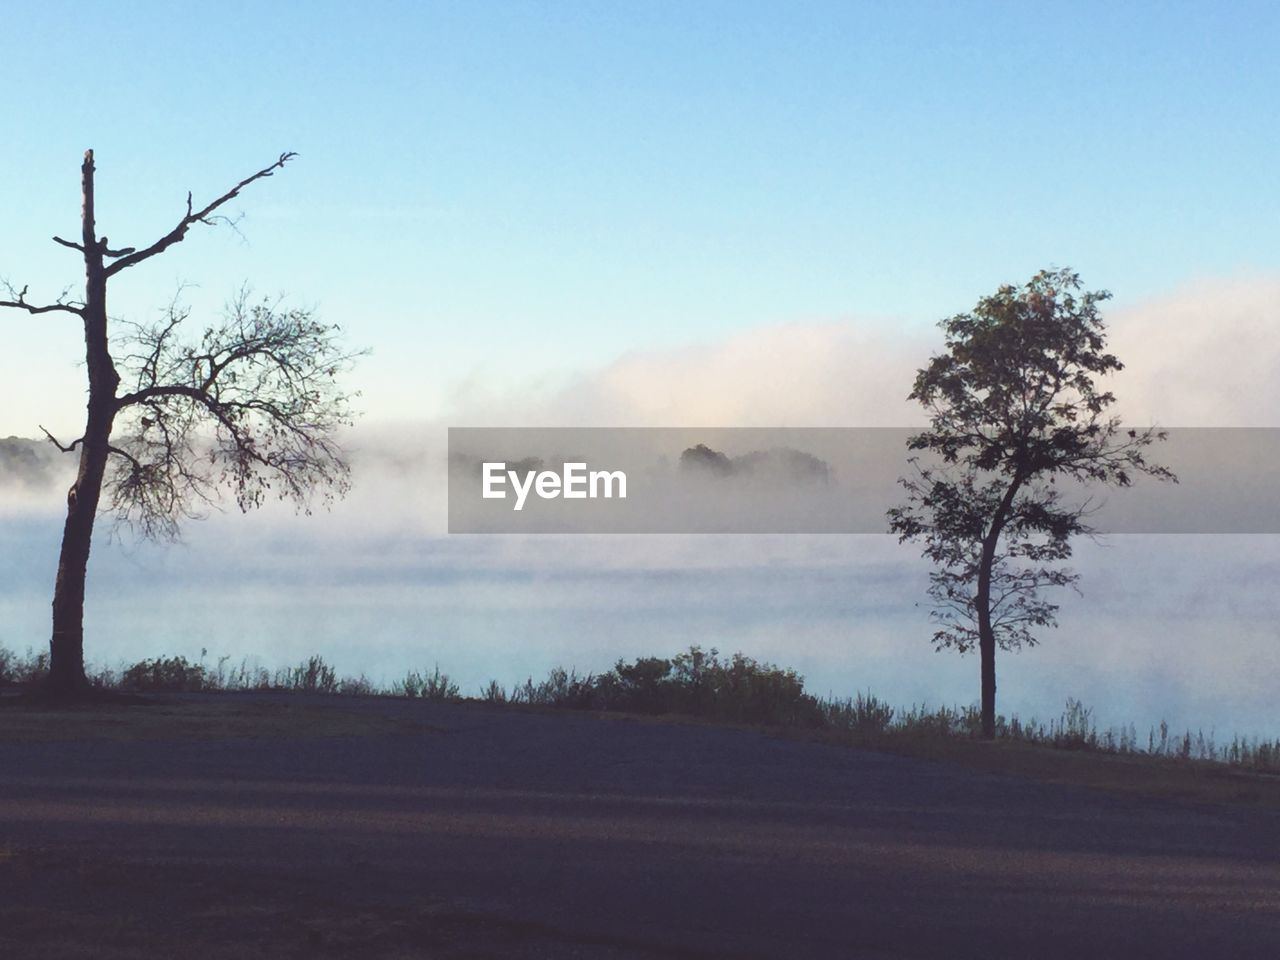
(987, 639)
(66, 647)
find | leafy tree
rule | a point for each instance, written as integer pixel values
(252, 403)
(1014, 408)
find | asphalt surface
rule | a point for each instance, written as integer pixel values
(496, 833)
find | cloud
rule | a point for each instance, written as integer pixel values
(1206, 355)
(1203, 355)
(840, 373)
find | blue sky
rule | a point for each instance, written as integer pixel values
(490, 191)
(731, 213)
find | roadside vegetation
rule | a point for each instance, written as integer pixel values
(699, 684)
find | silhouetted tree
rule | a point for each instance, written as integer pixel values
(779, 464)
(702, 459)
(252, 402)
(1014, 406)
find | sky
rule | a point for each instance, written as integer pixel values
(498, 196)
(660, 214)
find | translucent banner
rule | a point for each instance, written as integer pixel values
(808, 480)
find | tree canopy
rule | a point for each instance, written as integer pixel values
(1015, 407)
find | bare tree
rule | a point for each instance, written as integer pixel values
(253, 403)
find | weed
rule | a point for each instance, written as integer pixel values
(697, 683)
(430, 686)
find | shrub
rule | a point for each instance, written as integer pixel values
(864, 714)
(360, 686)
(1075, 730)
(642, 686)
(168, 674)
(313, 675)
(562, 688)
(24, 670)
(700, 683)
(431, 686)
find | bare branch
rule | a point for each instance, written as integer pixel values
(192, 216)
(18, 301)
(253, 404)
(150, 394)
(101, 246)
(65, 449)
(133, 461)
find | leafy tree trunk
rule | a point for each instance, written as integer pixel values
(66, 648)
(982, 598)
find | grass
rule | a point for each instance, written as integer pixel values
(695, 684)
(1170, 778)
(206, 720)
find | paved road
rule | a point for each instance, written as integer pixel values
(502, 834)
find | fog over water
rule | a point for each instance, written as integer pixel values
(1175, 627)
(1183, 628)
